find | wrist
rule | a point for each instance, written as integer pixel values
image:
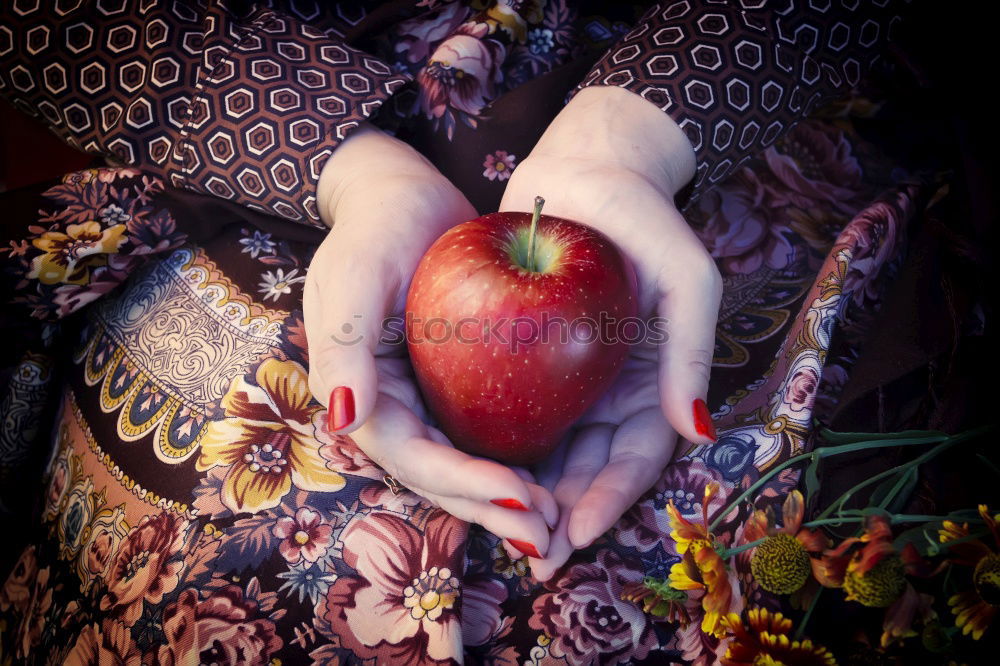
(612, 126)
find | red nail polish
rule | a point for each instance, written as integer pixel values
(703, 420)
(341, 412)
(525, 547)
(510, 503)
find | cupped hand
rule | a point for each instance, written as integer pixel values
(614, 162)
(386, 204)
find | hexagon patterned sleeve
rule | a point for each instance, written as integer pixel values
(246, 108)
(737, 75)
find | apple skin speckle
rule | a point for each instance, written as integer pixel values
(479, 391)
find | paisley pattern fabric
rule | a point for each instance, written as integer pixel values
(192, 505)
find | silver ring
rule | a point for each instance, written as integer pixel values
(395, 486)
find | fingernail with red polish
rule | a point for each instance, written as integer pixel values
(510, 503)
(525, 547)
(703, 420)
(341, 413)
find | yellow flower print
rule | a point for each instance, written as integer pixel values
(69, 256)
(514, 17)
(268, 440)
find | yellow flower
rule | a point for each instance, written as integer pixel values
(781, 564)
(267, 440)
(768, 641)
(879, 586)
(975, 608)
(701, 567)
(513, 18)
(69, 256)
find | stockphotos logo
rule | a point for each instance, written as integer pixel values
(514, 333)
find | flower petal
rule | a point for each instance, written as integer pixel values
(245, 401)
(384, 550)
(792, 512)
(225, 441)
(309, 471)
(814, 541)
(243, 490)
(756, 526)
(287, 386)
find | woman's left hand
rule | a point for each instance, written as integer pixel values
(613, 161)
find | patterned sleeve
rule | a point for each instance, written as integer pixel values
(735, 76)
(245, 107)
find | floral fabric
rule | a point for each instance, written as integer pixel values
(195, 505)
(194, 508)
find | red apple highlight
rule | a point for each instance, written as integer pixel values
(504, 328)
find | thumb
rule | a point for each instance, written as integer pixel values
(690, 306)
(346, 297)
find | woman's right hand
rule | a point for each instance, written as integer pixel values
(386, 205)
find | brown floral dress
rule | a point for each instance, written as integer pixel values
(157, 358)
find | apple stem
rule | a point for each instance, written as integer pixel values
(539, 202)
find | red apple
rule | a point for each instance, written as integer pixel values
(504, 330)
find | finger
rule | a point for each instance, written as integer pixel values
(541, 499)
(343, 327)
(640, 449)
(585, 456)
(436, 435)
(543, 502)
(396, 379)
(690, 306)
(394, 438)
(524, 474)
(513, 553)
(525, 531)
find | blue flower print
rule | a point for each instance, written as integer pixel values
(114, 215)
(732, 455)
(254, 245)
(540, 40)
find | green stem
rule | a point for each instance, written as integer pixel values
(729, 552)
(830, 451)
(840, 501)
(805, 618)
(822, 452)
(895, 520)
(539, 202)
(898, 469)
(989, 463)
(897, 488)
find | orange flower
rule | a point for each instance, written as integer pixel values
(975, 608)
(870, 574)
(781, 564)
(874, 575)
(701, 567)
(768, 641)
